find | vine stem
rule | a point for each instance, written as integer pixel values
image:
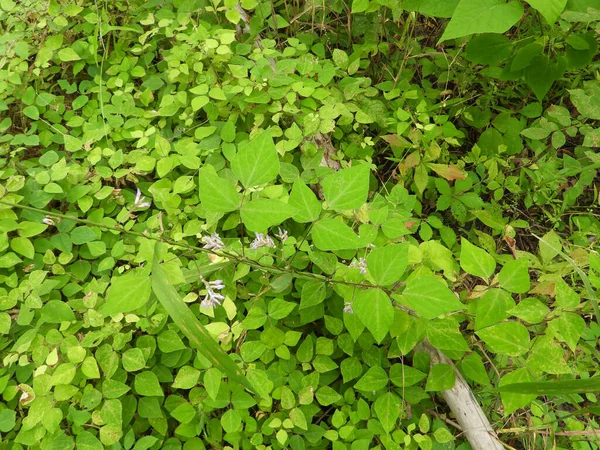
(239, 258)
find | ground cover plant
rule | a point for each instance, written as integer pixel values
(291, 225)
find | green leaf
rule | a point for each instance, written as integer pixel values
(127, 293)
(72, 144)
(313, 293)
(186, 378)
(472, 367)
(492, 308)
(555, 387)
(488, 49)
(56, 311)
(212, 382)
(231, 421)
(570, 326)
(374, 379)
(298, 419)
(429, 297)
(87, 441)
(441, 378)
(256, 161)
(332, 234)
(433, 8)
(217, 194)
(359, 6)
(189, 325)
(7, 420)
(374, 309)
(542, 73)
(347, 188)
(68, 54)
(32, 112)
(82, 235)
(587, 100)
(168, 342)
(327, 396)
(387, 264)
(513, 401)
(280, 309)
(506, 338)
(387, 408)
(22, 246)
(146, 384)
(259, 215)
(482, 16)
(260, 382)
(403, 376)
(550, 9)
(444, 334)
(514, 276)
(305, 201)
(476, 261)
(133, 360)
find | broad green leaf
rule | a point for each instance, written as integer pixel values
(444, 334)
(433, 8)
(514, 401)
(550, 9)
(217, 194)
(56, 311)
(298, 419)
(472, 367)
(347, 188)
(492, 308)
(68, 54)
(514, 276)
(231, 421)
(555, 387)
(482, 16)
(530, 310)
(374, 309)
(7, 420)
(332, 234)
(260, 382)
(488, 49)
(374, 379)
(146, 384)
(403, 376)
(327, 396)
(212, 382)
(32, 112)
(189, 325)
(313, 292)
(127, 293)
(542, 73)
(186, 378)
(587, 101)
(570, 326)
(476, 261)
(305, 201)
(430, 297)
(87, 441)
(387, 264)
(259, 215)
(256, 161)
(133, 360)
(359, 6)
(506, 338)
(388, 408)
(441, 378)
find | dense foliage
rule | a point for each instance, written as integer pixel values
(232, 225)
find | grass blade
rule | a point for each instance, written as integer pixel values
(581, 386)
(190, 326)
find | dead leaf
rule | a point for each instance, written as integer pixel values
(448, 171)
(409, 162)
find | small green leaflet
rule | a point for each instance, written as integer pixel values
(387, 264)
(333, 234)
(127, 293)
(256, 161)
(259, 215)
(559, 387)
(347, 188)
(441, 378)
(374, 309)
(305, 201)
(476, 261)
(492, 308)
(482, 16)
(217, 194)
(506, 338)
(429, 297)
(374, 379)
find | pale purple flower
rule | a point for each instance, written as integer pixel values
(348, 308)
(212, 299)
(48, 221)
(361, 265)
(139, 202)
(213, 242)
(282, 235)
(262, 240)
